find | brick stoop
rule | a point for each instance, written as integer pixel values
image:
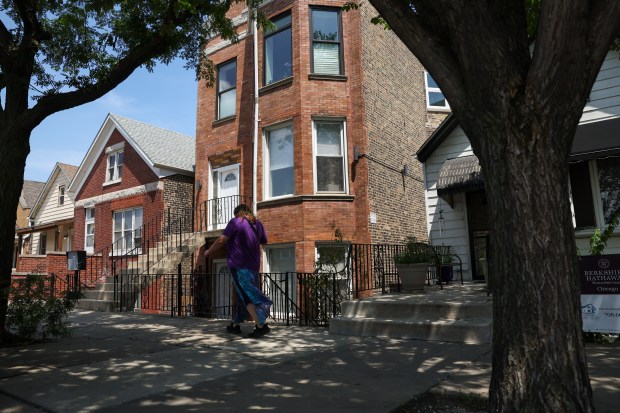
(457, 313)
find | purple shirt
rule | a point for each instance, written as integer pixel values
(243, 245)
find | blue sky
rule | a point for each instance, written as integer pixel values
(164, 98)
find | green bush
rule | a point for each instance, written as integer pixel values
(33, 311)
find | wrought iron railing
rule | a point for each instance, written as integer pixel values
(135, 253)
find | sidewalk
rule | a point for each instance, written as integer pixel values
(132, 362)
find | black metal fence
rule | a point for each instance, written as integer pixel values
(298, 298)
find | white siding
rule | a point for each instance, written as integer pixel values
(49, 210)
(605, 96)
(455, 231)
(604, 104)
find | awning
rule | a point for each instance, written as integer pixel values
(461, 174)
(596, 140)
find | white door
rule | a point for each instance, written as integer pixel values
(225, 196)
(89, 237)
(222, 290)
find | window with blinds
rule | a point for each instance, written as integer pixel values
(329, 156)
(326, 42)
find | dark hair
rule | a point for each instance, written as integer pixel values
(243, 211)
(241, 208)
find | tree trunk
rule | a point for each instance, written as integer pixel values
(539, 362)
(14, 148)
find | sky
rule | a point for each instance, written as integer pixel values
(164, 98)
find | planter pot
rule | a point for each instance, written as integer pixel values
(413, 276)
(447, 273)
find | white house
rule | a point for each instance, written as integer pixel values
(51, 217)
(454, 186)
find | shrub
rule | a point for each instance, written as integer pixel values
(35, 312)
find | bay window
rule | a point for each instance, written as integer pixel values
(278, 50)
(279, 168)
(329, 156)
(326, 37)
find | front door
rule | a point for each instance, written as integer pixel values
(225, 196)
(477, 218)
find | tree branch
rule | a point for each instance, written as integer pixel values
(6, 40)
(427, 45)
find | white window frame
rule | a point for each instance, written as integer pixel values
(343, 147)
(61, 195)
(292, 274)
(117, 168)
(134, 228)
(431, 89)
(88, 221)
(267, 158)
(596, 200)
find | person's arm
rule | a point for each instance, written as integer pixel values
(219, 243)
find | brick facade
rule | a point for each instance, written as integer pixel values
(384, 120)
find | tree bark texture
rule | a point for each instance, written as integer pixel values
(14, 148)
(519, 104)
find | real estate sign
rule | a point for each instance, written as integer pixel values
(600, 293)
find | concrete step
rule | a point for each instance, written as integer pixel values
(99, 294)
(396, 310)
(470, 331)
(95, 305)
(461, 314)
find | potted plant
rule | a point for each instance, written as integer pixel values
(412, 264)
(446, 268)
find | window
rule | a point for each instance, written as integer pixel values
(329, 152)
(280, 260)
(280, 177)
(115, 166)
(326, 42)
(226, 89)
(61, 195)
(278, 50)
(331, 257)
(434, 97)
(43, 243)
(595, 191)
(89, 224)
(127, 229)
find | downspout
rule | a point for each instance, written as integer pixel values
(256, 117)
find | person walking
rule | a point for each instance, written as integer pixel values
(243, 237)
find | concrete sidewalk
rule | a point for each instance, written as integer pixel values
(134, 362)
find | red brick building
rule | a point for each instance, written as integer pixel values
(343, 107)
(131, 173)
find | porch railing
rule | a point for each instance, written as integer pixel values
(137, 250)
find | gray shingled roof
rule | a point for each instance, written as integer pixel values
(69, 170)
(164, 148)
(31, 191)
(460, 175)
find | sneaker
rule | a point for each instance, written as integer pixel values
(234, 329)
(259, 331)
